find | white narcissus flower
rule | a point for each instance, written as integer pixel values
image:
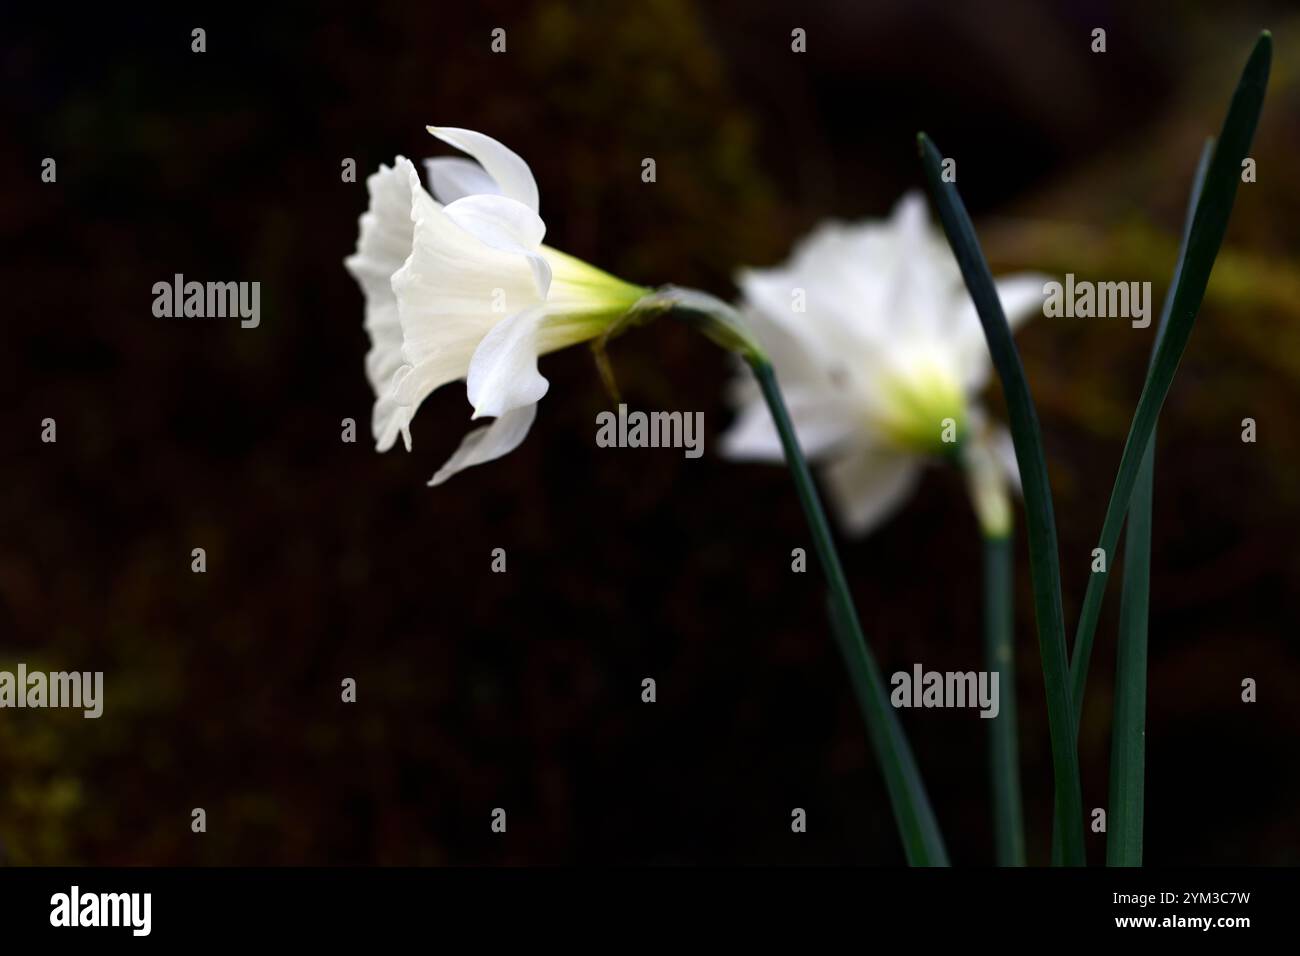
(461, 287)
(876, 343)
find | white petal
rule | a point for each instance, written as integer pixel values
(505, 225)
(1004, 451)
(988, 481)
(503, 372)
(869, 484)
(451, 178)
(920, 269)
(806, 305)
(909, 216)
(383, 244)
(507, 169)
(796, 363)
(387, 421)
(1021, 296)
(491, 441)
(820, 422)
(450, 293)
(412, 384)
(847, 279)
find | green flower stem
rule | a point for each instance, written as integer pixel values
(999, 656)
(916, 822)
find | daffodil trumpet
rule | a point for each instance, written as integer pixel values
(460, 287)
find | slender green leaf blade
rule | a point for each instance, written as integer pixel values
(1209, 224)
(1128, 726)
(1040, 519)
(1123, 724)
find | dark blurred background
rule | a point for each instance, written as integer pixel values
(522, 690)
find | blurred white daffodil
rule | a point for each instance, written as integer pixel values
(461, 287)
(881, 357)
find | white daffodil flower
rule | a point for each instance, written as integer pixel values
(458, 285)
(881, 357)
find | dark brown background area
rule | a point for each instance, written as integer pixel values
(522, 690)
